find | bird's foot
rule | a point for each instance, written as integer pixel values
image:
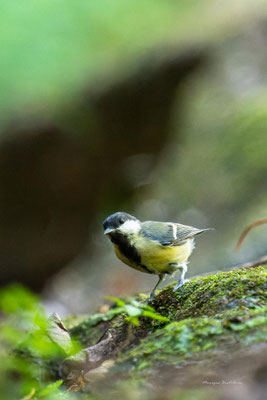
(181, 282)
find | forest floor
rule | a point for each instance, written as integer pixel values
(207, 340)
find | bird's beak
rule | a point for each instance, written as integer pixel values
(108, 230)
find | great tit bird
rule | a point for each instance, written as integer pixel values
(153, 247)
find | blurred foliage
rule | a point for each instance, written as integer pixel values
(50, 48)
(134, 309)
(30, 351)
(33, 347)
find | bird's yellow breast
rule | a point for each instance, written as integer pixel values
(155, 257)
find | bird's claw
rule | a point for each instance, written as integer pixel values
(181, 282)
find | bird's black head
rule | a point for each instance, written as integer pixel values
(114, 221)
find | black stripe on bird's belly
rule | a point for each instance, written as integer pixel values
(127, 250)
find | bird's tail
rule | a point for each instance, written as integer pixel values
(203, 230)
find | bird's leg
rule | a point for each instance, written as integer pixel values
(183, 267)
(152, 294)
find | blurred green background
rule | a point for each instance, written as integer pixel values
(154, 108)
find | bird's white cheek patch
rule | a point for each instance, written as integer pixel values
(130, 227)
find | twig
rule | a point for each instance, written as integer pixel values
(246, 231)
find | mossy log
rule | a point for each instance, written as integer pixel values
(216, 324)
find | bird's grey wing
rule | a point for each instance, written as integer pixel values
(168, 233)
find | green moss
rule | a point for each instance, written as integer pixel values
(212, 294)
(206, 315)
(179, 340)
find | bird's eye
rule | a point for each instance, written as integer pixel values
(121, 221)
